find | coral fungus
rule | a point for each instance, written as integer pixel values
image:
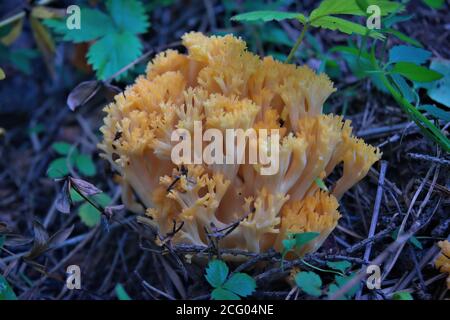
(442, 262)
(221, 84)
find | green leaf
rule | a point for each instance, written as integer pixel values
(275, 35)
(332, 289)
(339, 265)
(241, 284)
(102, 199)
(58, 168)
(85, 165)
(403, 86)
(62, 148)
(309, 282)
(2, 74)
(121, 293)
(345, 26)
(89, 215)
(288, 244)
(435, 4)
(75, 196)
(402, 296)
(94, 24)
(216, 273)
(128, 15)
(439, 91)
(352, 7)
(413, 240)
(107, 55)
(268, 15)
(436, 112)
(6, 292)
(341, 281)
(408, 54)
(403, 37)
(321, 184)
(21, 59)
(223, 294)
(414, 72)
(303, 238)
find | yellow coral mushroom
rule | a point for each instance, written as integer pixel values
(223, 86)
(442, 262)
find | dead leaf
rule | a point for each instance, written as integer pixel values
(86, 188)
(59, 237)
(42, 12)
(40, 241)
(13, 33)
(44, 42)
(63, 201)
(91, 93)
(83, 93)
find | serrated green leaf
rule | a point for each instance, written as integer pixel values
(85, 165)
(107, 55)
(309, 282)
(94, 24)
(345, 26)
(216, 273)
(435, 4)
(121, 293)
(6, 292)
(2, 74)
(415, 72)
(62, 148)
(241, 284)
(408, 54)
(58, 168)
(402, 296)
(339, 265)
(89, 215)
(268, 15)
(436, 112)
(128, 15)
(223, 294)
(352, 7)
(303, 238)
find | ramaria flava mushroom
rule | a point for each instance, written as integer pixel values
(221, 84)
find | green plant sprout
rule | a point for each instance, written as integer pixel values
(69, 155)
(115, 34)
(228, 287)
